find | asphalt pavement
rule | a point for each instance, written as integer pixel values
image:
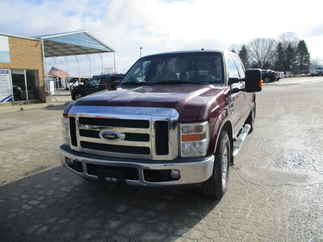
(275, 188)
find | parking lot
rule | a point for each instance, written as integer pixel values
(275, 190)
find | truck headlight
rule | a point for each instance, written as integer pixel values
(65, 129)
(194, 139)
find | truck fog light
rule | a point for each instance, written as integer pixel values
(175, 174)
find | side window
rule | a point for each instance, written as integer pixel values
(232, 69)
(240, 67)
(138, 72)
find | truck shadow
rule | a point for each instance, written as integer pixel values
(56, 205)
(56, 106)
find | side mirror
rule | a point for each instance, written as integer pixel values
(253, 82)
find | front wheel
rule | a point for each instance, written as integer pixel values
(216, 186)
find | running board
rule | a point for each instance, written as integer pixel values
(237, 144)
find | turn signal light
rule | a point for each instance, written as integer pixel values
(193, 137)
(261, 83)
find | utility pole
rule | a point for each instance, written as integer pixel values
(140, 50)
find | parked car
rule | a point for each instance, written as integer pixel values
(316, 71)
(281, 74)
(97, 83)
(270, 76)
(178, 118)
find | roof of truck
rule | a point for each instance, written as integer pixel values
(191, 51)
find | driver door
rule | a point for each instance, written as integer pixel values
(236, 100)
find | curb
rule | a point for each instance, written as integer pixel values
(25, 107)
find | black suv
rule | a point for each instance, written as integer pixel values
(95, 84)
(270, 75)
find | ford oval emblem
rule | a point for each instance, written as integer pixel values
(112, 135)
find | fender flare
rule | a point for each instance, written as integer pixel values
(219, 130)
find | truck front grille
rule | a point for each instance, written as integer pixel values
(161, 134)
(147, 133)
(129, 136)
(115, 148)
(73, 131)
(126, 123)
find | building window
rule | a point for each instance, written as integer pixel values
(25, 85)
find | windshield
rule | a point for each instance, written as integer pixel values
(177, 68)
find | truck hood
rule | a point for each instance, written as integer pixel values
(193, 102)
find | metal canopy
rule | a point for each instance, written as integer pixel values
(72, 43)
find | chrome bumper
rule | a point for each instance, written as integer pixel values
(191, 171)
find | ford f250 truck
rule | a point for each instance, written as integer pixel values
(177, 118)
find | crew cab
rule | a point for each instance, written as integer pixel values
(177, 118)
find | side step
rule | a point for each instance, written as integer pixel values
(237, 144)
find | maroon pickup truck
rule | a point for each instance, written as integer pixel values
(177, 118)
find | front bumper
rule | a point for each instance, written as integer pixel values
(191, 171)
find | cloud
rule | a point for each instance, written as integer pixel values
(163, 25)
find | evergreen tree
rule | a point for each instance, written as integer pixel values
(290, 54)
(280, 58)
(243, 53)
(302, 58)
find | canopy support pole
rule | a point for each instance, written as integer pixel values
(101, 57)
(114, 62)
(78, 65)
(90, 63)
(65, 66)
(44, 65)
(26, 86)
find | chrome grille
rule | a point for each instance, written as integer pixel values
(148, 133)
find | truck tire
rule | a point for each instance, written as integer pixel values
(216, 186)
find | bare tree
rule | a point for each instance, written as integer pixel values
(289, 38)
(262, 52)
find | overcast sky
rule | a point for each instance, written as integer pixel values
(164, 25)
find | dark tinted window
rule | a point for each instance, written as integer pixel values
(180, 67)
(94, 82)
